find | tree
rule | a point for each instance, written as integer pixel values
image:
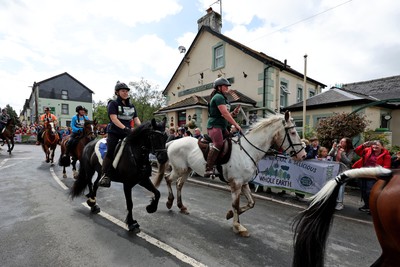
(146, 99)
(100, 112)
(13, 115)
(340, 125)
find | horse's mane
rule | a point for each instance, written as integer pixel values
(265, 122)
(88, 122)
(136, 135)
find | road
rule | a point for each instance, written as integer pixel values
(41, 226)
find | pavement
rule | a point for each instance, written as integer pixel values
(352, 198)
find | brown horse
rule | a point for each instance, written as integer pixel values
(49, 145)
(312, 225)
(88, 134)
(8, 135)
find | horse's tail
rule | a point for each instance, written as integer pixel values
(311, 227)
(64, 161)
(161, 168)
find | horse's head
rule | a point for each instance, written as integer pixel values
(51, 127)
(289, 140)
(158, 140)
(89, 129)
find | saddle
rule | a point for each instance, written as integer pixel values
(225, 153)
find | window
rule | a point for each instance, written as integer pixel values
(219, 59)
(284, 94)
(311, 93)
(299, 94)
(64, 109)
(64, 94)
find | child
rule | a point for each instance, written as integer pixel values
(323, 154)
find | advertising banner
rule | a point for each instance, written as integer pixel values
(307, 176)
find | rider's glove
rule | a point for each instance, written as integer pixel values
(127, 130)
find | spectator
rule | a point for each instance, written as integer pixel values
(372, 154)
(323, 154)
(197, 133)
(171, 135)
(343, 153)
(312, 152)
(396, 161)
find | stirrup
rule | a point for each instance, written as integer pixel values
(105, 181)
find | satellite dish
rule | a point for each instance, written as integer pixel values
(182, 49)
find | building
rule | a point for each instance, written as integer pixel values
(62, 94)
(378, 99)
(260, 83)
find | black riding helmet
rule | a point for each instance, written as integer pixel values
(221, 81)
(79, 108)
(120, 86)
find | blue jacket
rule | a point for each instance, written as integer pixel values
(77, 123)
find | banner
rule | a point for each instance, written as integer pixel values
(307, 176)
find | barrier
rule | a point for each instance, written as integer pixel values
(307, 176)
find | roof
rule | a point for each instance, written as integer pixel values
(62, 74)
(233, 96)
(255, 54)
(354, 93)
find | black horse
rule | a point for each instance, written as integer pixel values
(133, 168)
(8, 135)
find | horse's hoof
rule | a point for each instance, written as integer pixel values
(185, 211)
(152, 207)
(134, 228)
(240, 230)
(244, 234)
(47, 160)
(65, 176)
(229, 215)
(95, 209)
(91, 202)
(169, 205)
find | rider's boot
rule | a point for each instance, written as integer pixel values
(105, 180)
(211, 158)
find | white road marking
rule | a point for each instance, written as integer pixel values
(55, 177)
(182, 257)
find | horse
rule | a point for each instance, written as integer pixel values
(87, 135)
(185, 156)
(133, 168)
(50, 141)
(311, 226)
(8, 135)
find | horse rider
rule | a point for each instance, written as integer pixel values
(77, 123)
(43, 121)
(123, 117)
(4, 117)
(217, 124)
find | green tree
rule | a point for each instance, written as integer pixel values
(340, 125)
(13, 115)
(146, 98)
(100, 112)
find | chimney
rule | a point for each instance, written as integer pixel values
(211, 19)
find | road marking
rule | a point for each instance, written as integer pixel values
(55, 177)
(182, 257)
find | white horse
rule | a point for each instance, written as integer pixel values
(185, 156)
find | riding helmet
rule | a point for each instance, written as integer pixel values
(79, 108)
(120, 86)
(221, 81)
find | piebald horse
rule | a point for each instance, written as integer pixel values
(50, 141)
(185, 156)
(312, 226)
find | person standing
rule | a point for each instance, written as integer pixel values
(197, 133)
(372, 154)
(43, 121)
(312, 150)
(343, 153)
(121, 113)
(219, 117)
(77, 123)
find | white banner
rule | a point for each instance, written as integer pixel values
(307, 176)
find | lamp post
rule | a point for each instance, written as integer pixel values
(304, 96)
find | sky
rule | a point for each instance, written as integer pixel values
(99, 42)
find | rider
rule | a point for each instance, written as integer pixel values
(219, 117)
(77, 123)
(43, 120)
(121, 113)
(4, 117)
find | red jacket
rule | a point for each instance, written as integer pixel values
(384, 159)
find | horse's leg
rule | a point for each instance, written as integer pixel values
(53, 150)
(64, 172)
(74, 172)
(250, 202)
(179, 184)
(133, 225)
(235, 193)
(171, 197)
(152, 207)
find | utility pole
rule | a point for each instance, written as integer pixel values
(304, 96)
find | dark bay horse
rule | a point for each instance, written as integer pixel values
(312, 226)
(88, 134)
(133, 167)
(8, 135)
(50, 141)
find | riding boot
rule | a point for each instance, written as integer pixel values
(105, 180)
(211, 158)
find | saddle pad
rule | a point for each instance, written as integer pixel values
(101, 150)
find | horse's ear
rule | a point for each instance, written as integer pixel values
(154, 123)
(287, 115)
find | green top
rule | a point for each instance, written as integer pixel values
(215, 118)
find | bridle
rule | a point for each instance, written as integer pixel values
(154, 135)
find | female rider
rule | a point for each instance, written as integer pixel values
(121, 112)
(219, 117)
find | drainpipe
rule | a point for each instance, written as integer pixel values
(264, 87)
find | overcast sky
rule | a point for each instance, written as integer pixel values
(99, 42)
